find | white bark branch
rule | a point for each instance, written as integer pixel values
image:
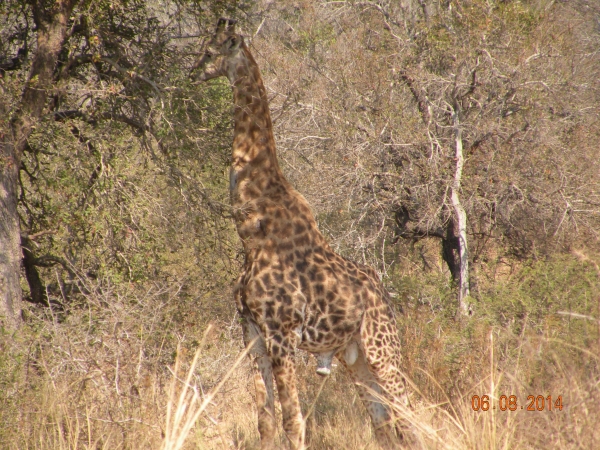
(461, 219)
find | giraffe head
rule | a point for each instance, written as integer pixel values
(220, 54)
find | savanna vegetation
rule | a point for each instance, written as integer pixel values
(452, 145)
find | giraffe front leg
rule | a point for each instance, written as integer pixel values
(285, 376)
(263, 382)
(281, 345)
(265, 403)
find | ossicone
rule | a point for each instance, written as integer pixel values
(226, 25)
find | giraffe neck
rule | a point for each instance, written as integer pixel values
(254, 160)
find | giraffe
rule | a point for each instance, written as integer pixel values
(294, 291)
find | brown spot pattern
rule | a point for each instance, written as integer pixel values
(295, 292)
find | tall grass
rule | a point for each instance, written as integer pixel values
(117, 372)
(186, 403)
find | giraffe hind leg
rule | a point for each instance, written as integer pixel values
(373, 397)
(384, 364)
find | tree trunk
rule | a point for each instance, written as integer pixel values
(461, 220)
(451, 249)
(37, 289)
(51, 22)
(10, 249)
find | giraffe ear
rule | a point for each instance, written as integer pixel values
(231, 25)
(226, 25)
(221, 23)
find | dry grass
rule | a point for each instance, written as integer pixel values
(61, 413)
(120, 373)
(186, 402)
(455, 424)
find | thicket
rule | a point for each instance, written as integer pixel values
(129, 250)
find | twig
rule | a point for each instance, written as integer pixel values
(312, 406)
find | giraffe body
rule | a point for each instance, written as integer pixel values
(294, 290)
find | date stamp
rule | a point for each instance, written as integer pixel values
(511, 403)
